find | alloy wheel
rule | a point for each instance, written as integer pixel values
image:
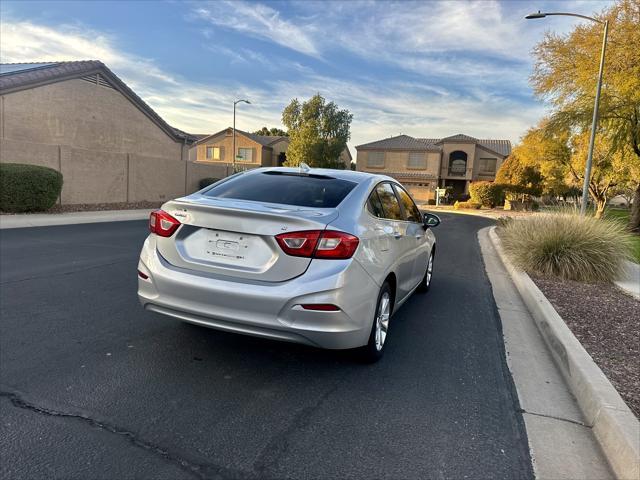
(429, 270)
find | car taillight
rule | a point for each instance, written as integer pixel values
(328, 244)
(337, 245)
(163, 224)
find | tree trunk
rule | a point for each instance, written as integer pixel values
(634, 218)
(600, 204)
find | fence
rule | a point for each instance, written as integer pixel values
(109, 177)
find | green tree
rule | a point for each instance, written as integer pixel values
(271, 132)
(565, 74)
(319, 132)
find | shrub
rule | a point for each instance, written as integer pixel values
(567, 245)
(431, 201)
(488, 194)
(205, 182)
(459, 205)
(28, 188)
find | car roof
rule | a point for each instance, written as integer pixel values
(351, 175)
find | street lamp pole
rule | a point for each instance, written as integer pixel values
(234, 131)
(596, 107)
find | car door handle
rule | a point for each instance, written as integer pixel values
(397, 234)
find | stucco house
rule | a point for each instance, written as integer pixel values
(252, 150)
(423, 164)
(81, 119)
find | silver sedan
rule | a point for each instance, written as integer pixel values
(314, 256)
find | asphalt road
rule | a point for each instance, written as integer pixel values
(95, 387)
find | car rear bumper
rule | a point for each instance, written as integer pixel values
(265, 309)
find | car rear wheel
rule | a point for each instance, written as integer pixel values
(374, 350)
(428, 275)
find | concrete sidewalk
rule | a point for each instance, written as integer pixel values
(563, 445)
(49, 219)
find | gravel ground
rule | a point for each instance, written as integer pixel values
(95, 207)
(607, 323)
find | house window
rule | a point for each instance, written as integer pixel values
(417, 160)
(457, 163)
(213, 153)
(375, 159)
(488, 165)
(245, 154)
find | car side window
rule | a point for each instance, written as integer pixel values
(374, 206)
(411, 212)
(389, 201)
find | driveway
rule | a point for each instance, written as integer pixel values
(95, 387)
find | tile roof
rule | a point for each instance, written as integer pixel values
(503, 147)
(264, 140)
(401, 142)
(21, 76)
(405, 142)
(460, 137)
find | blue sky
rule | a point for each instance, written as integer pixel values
(426, 69)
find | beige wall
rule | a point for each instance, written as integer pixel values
(447, 149)
(483, 153)
(397, 161)
(263, 156)
(83, 115)
(106, 148)
(474, 154)
(92, 176)
(225, 142)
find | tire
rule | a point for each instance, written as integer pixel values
(374, 349)
(425, 284)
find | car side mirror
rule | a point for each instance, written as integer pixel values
(430, 220)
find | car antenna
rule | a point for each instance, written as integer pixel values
(304, 168)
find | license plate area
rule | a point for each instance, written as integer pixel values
(228, 246)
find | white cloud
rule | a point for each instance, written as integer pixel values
(188, 105)
(258, 21)
(380, 108)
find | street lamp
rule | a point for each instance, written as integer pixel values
(594, 122)
(234, 131)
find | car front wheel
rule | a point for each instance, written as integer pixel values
(428, 275)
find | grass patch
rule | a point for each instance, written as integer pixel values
(567, 246)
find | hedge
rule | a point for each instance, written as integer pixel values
(487, 194)
(28, 188)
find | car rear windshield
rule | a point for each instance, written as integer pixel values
(302, 190)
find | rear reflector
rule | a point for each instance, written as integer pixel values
(143, 275)
(329, 244)
(321, 307)
(162, 224)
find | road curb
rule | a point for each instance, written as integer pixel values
(615, 427)
(629, 280)
(72, 218)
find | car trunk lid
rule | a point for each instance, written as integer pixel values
(236, 238)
